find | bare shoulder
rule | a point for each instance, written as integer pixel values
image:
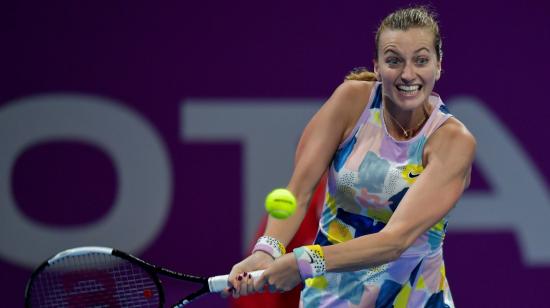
(355, 88)
(455, 131)
(348, 102)
(452, 141)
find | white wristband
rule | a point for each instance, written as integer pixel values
(269, 245)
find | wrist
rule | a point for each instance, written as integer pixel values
(310, 260)
(262, 255)
(270, 246)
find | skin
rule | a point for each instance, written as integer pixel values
(405, 58)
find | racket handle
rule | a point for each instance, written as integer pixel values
(218, 283)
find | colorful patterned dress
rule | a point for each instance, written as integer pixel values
(369, 175)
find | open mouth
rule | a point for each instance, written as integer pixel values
(408, 90)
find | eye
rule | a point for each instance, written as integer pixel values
(422, 60)
(393, 60)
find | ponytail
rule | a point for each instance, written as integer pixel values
(361, 73)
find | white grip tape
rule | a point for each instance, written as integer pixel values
(218, 283)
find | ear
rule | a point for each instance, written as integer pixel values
(375, 65)
(438, 72)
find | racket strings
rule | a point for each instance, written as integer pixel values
(93, 280)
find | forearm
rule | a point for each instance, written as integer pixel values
(303, 184)
(285, 229)
(317, 146)
(360, 253)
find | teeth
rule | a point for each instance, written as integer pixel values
(408, 88)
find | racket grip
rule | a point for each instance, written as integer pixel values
(218, 283)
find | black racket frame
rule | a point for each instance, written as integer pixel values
(151, 269)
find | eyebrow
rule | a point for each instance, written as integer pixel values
(422, 48)
(390, 50)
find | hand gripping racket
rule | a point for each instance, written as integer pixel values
(106, 277)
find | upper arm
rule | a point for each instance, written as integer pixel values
(438, 188)
(323, 134)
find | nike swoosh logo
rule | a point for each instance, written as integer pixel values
(412, 176)
(310, 258)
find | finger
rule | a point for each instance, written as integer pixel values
(237, 286)
(231, 284)
(271, 285)
(235, 293)
(243, 289)
(250, 284)
(260, 282)
(233, 275)
(226, 292)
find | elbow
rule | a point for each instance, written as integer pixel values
(396, 253)
(397, 244)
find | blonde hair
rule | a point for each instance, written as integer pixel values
(403, 19)
(361, 73)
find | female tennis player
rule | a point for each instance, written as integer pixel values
(397, 163)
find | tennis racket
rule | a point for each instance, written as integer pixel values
(106, 277)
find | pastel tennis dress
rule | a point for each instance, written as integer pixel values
(369, 175)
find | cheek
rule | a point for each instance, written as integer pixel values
(388, 75)
(434, 76)
(388, 84)
(388, 88)
(430, 75)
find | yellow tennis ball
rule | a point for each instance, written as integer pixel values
(280, 203)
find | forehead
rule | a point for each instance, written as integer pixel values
(411, 39)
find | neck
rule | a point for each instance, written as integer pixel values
(404, 123)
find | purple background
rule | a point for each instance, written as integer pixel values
(152, 56)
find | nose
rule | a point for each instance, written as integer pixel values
(408, 74)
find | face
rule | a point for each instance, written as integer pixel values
(407, 66)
